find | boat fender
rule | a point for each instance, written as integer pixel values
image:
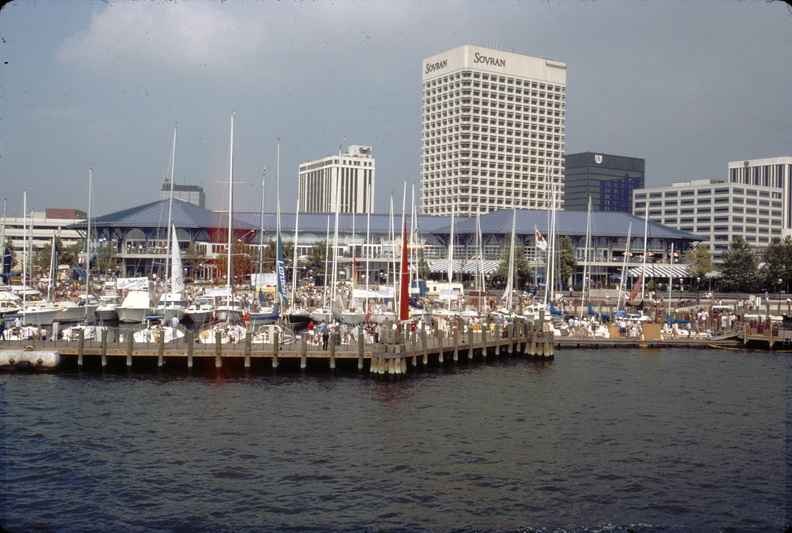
(24, 364)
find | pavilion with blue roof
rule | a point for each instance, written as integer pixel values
(138, 236)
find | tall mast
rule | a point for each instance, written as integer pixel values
(510, 285)
(584, 296)
(230, 259)
(170, 206)
(87, 244)
(295, 255)
(261, 225)
(451, 255)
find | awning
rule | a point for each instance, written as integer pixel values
(660, 271)
(467, 267)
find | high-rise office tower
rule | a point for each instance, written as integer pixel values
(493, 127)
(608, 180)
(344, 182)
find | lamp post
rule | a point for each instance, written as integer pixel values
(780, 284)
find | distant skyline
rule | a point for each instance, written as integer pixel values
(687, 86)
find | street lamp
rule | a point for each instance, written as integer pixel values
(698, 288)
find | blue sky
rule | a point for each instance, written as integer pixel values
(687, 85)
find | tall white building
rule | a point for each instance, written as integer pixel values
(344, 182)
(493, 131)
(771, 172)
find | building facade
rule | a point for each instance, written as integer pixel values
(716, 211)
(493, 131)
(608, 180)
(189, 193)
(344, 182)
(774, 172)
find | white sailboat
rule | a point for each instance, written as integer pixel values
(230, 310)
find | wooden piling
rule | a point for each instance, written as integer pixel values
(275, 346)
(130, 343)
(470, 342)
(80, 347)
(332, 350)
(190, 347)
(161, 351)
(360, 347)
(456, 344)
(303, 352)
(218, 350)
(104, 348)
(248, 348)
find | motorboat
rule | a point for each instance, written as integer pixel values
(201, 310)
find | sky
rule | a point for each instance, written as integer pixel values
(99, 86)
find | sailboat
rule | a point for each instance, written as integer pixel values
(172, 303)
(229, 310)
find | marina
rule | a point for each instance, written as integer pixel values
(398, 352)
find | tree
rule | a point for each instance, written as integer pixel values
(566, 259)
(317, 257)
(778, 263)
(739, 266)
(522, 268)
(699, 261)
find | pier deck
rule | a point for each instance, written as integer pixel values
(398, 353)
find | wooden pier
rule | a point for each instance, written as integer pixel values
(399, 352)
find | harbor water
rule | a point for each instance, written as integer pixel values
(596, 440)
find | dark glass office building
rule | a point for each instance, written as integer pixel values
(608, 179)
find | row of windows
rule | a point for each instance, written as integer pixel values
(735, 192)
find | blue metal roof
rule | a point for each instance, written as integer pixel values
(573, 223)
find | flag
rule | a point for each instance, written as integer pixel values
(540, 242)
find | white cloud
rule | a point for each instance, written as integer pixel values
(140, 38)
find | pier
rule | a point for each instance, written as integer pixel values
(397, 353)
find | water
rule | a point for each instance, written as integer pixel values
(598, 440)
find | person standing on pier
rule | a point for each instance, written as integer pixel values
(325, 331)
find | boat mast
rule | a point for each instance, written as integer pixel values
(170, 210)
(230, 258)
(333, 283)
(295, 255)
(510, 282)
(627, 253)
(451, 255)
(87, 246)
(261, 228)
(24, 252)
(584, 296)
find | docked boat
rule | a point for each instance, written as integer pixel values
(201, 310)
(228, 334)
(153, 333)
(89, 332)
(139, 301)
(106, 310)
(265, 334)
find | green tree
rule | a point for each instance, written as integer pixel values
(699, 261)
(739, 266)
(778, 263)
(522, 268)
(566, 259)
(317, 256)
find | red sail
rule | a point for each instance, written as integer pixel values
(404, 288)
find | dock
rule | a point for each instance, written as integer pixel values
(397, 353)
